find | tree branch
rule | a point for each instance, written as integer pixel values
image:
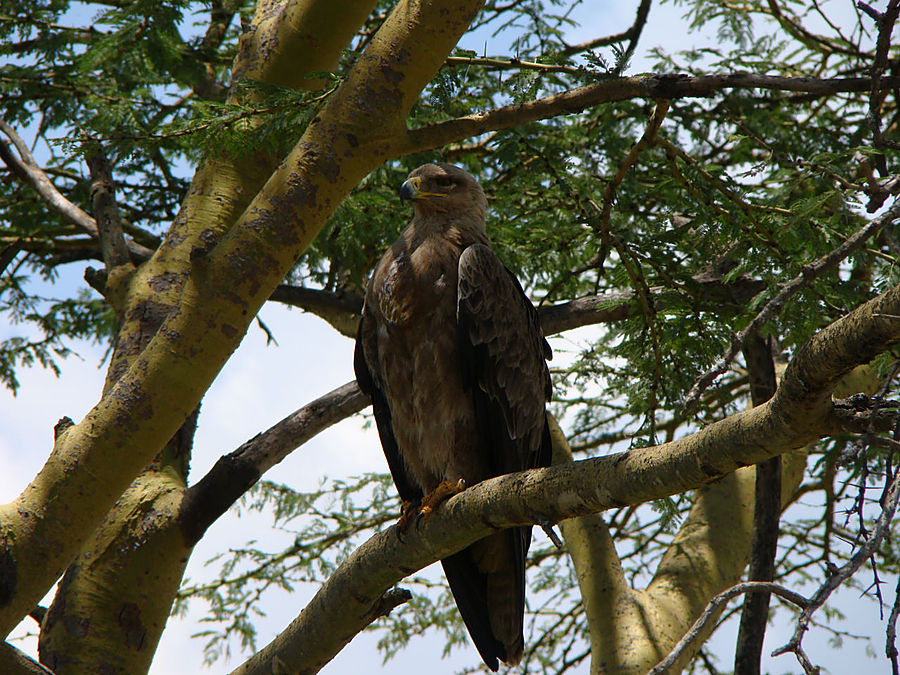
(342, 311)
(29, 172)
(605, 593)
(766, 513)
(621, 89)
(798, 414)
(106, 211)
(632, 34)
(882, 526)
(711, 613)
(15, 662)
(235, 472)
(788, 289)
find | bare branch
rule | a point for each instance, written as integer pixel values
(839, 576)
(15, 662)
(711, 613)
(27, 169)
(766, 511)
(234, 473)
(29, 172)
(885, 22)
(632, 34)
(621, 89)
(606, 308)
(511, 64)
(106, 211)
(890, 646)
(341, 310)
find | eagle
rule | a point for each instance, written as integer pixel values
(451, 352)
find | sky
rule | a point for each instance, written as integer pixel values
(263, 383)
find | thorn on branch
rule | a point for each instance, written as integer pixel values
(270, 337)
(547, 527)
(840, 575)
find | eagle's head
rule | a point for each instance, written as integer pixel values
(444, 188)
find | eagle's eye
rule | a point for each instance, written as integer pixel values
(444, 181)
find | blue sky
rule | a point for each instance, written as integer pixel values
(261, 384)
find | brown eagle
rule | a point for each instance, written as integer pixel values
(451, 351)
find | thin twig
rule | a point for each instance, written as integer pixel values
(890, 646)
(513, 63)
(885, 23)
(711, 613)
(609, 194)
(841, 574)
(806, 276)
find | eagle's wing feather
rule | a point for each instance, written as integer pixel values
(407, 488)
(501, 352)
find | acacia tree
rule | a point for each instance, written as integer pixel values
(726, 221)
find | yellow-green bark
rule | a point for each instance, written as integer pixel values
(89, 467)
(631, 630)
(119, 589)
(95, 594)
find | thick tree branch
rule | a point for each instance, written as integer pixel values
(622, 89)
(235, 472)
(798, 414)
(610, 604)
(342, 310)
(15, 662)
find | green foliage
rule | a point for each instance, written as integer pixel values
(739, 187)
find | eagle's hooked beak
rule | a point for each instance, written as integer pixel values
(411, 189)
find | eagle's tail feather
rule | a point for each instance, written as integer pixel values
(488, 583)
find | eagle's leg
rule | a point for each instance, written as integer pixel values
(444, 490)
(419, 510)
